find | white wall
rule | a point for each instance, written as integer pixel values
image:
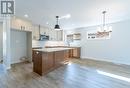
(1, 41)
(116, 49)
(29, 45)
(18, 45)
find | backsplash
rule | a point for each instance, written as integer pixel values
(48, 43)
(36, 43)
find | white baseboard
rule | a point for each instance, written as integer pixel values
(21, 60)
(106, 60)
(5, 67)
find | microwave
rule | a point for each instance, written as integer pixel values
(43, 37)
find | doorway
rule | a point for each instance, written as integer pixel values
(5, 42)
(1, 42)
(1, 47)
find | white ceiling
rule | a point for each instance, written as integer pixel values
(83, 12)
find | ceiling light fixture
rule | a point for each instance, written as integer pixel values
(104, 27)
(57, 26)
(26, 16)
(47, 23)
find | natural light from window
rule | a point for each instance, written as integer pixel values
(114, 76)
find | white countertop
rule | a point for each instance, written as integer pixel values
(52, 49)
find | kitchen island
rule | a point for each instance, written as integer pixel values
(48, 59)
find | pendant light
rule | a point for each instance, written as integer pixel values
(57, 26)
(104, 28)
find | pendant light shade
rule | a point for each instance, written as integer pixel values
(57, 26)
(104, 27)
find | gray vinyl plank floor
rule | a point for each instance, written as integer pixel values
(78, 74)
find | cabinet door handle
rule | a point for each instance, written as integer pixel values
(37, 52)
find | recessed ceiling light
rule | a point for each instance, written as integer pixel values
(47, 23)
(26, 15)
(68, 16)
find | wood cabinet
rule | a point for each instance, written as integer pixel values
(71, 53)
(33, 52)
(44, 62)
(37, 62)
(75, 52)
(59, 58)
(66, 55)
(47, 62)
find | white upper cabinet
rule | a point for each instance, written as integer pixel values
(55, 35)
(42, 30)
(35, 32)
(25, 25)
(48, 30)
(21, 24)
(52, 34)
(60, 35)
